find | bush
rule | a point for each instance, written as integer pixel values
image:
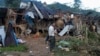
(73, 43)
(93, 38)
(59, 52)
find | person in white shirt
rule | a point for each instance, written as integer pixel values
(51, 36)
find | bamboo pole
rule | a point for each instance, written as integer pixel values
(86, 34)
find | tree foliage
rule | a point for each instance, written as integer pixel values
(77, 3)
(58, 6)
(12, 3)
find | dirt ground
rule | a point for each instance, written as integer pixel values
(37, 46)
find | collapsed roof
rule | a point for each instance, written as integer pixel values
(38, 9)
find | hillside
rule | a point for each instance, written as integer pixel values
(64, 8)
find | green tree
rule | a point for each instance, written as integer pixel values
(77, 4)
(12, 3)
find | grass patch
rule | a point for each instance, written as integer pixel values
(20, 48)
(59, 52)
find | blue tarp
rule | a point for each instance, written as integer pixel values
(10, 38)
(29, 20)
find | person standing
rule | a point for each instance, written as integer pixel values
(51, 37)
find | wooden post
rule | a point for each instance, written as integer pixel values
(86, 34)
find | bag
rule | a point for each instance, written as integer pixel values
(47, 38)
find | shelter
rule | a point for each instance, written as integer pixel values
(38, 9)
(43, 16)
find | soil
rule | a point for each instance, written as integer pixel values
(36, 46)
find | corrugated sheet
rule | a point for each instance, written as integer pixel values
(45, 11)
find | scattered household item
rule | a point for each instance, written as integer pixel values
(9, 55)
(30, 13)
(60, 46)
(20, 41)
(37, 35)
(31, 53)
(28, 32)
(29, 20)
(64, 45)
(67, 28)
(66, 49)
(47, 47)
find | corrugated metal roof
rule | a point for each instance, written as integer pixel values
(45, 11)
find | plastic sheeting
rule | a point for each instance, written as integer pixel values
(67, 28)
(29, 20)
(30, 14)
(10, 38)
(23, 5)
(2, 34)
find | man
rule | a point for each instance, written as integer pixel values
(51, 36)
